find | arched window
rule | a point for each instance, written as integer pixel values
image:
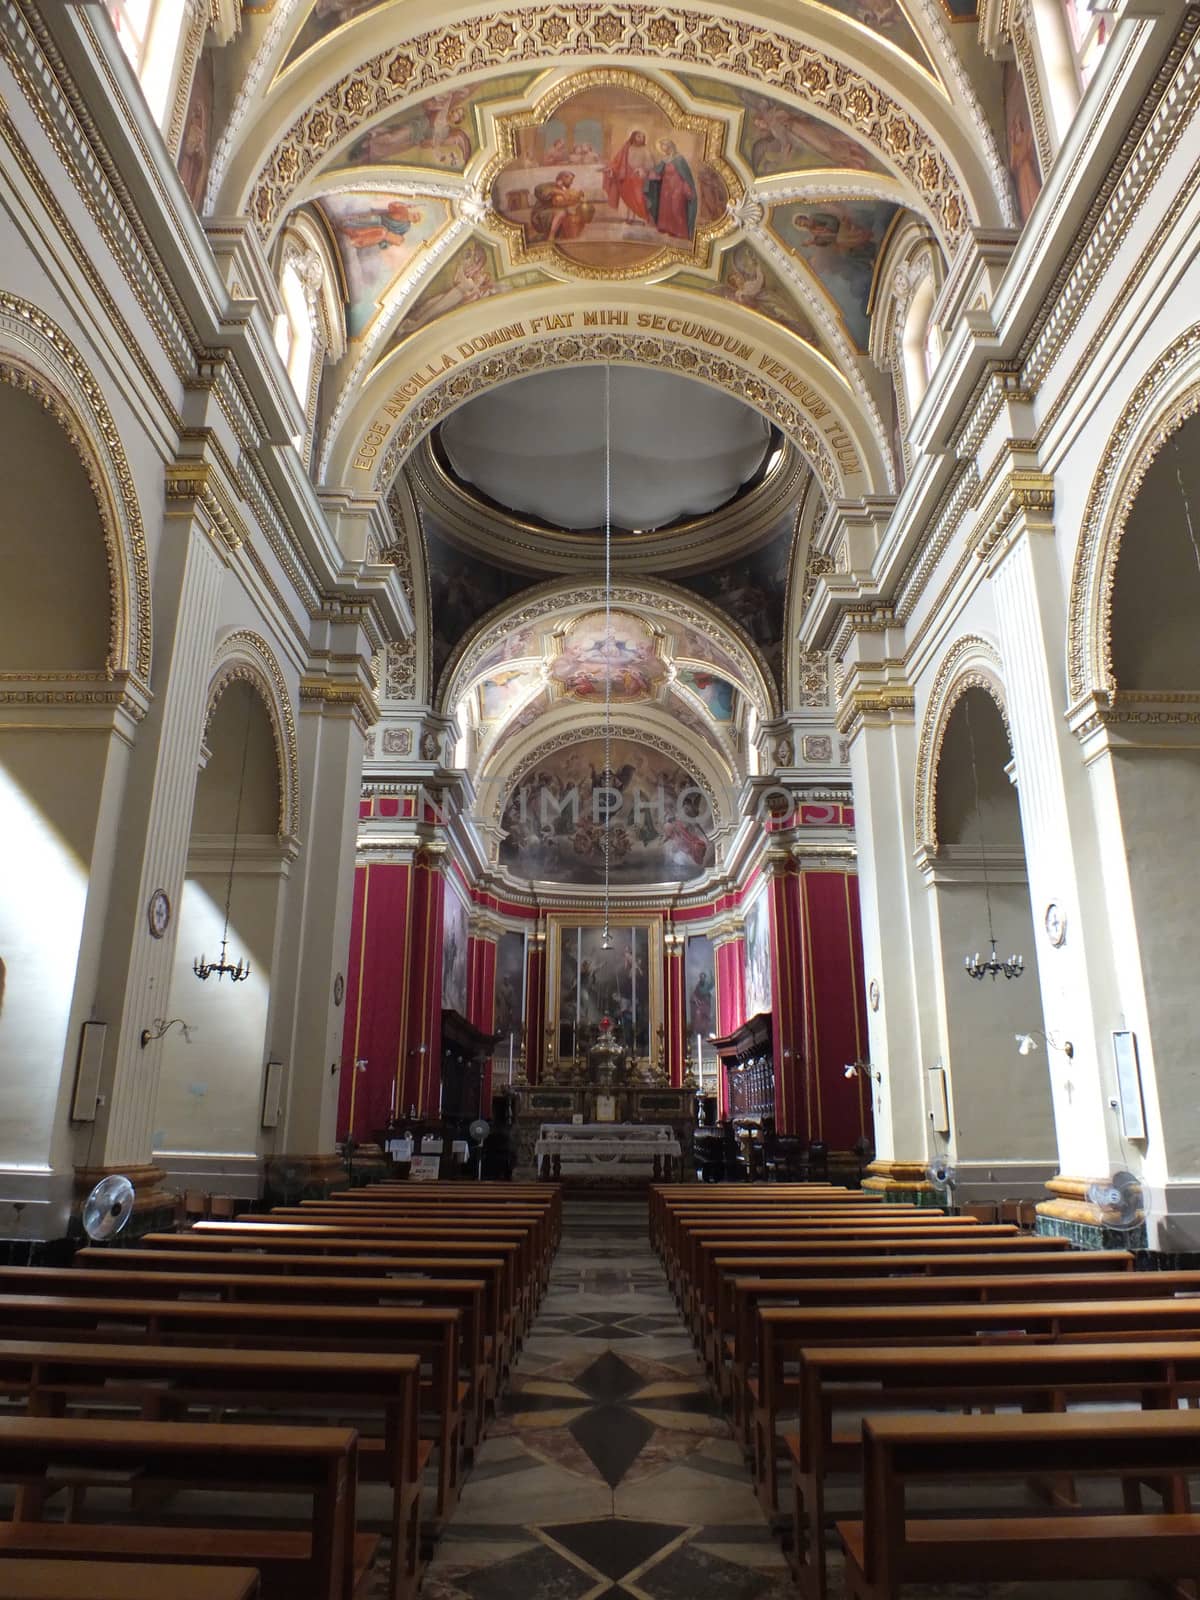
(310, 328)
(1090, 26)
(915, 342)
(150, 33)
(294, 336)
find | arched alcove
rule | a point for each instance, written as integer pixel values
(1001, 1134)
(210, 1087)
(56, 608)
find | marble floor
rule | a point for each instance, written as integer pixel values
(609, 1472)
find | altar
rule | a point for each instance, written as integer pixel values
(606, 1150)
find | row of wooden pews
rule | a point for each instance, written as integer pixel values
(214, 1360)
(896, 1348)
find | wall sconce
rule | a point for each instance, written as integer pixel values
(1027, 1043)
(160, 1028)
(862, 1069)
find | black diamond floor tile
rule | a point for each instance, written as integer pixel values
(539, 1574)
(688, 1573)
(615, 1546)
(612, 1438)
(609, 1378)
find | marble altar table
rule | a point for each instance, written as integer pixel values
(607, 1149)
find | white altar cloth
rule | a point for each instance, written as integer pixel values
(594, 1147)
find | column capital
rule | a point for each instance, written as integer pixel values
(875, 695)
(1021, 502)
(195, 489)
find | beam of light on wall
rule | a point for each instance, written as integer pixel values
(209, 1092)
(43, 892)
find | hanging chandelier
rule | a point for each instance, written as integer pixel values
(991, 966)
(224, 968)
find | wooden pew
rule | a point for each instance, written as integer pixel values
(751, 1295)
(272, 1289)
(1036, 1377)
(678, 1224)
(665, 1197)
(887, 1548)
(810, 1233)
(122, 1580)
(255, 1244)
(431, 1333)
(526, 1283)
(324, 1564)
(936, 1258)
(785, 1330)
(404, 1268)
(540, 1219)
(164, 1382)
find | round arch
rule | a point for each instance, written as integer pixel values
(246, 657)
(559, 597)
(971, 662)
(511, 336)
(840, 69)
(38, 358)
(1162, 402)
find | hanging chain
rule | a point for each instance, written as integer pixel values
(608, 637)
(1187, 505)
(237, 819)
(987, 893)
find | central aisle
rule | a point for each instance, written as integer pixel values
(609, 1472)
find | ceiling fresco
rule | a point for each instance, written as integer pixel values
(615, 659)
(778, 138)
(442, 132)
(378, 237)
(752, 591)
(840, 242)
(610, 178)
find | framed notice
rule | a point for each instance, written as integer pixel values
(1129, 1085)
(424, 1169)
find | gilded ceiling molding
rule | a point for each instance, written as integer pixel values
(246, 657)
(485, 371)
(37, 357)
(199, 18)
(1166, 397)
(666, 600)
(667, 35)
(970, 663)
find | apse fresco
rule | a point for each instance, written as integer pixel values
(378, 236)
(758, 955)
(620, 660)
(659, 821)
(1022, 146)
(196, 144)
(607, 181)
(752, 591)
(717, 695)
(438, 132)
(778, 138)
(700, 988)
(839, 240)
(454, 953)
(462, 589)
(325, 16)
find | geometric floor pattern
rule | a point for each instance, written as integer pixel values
(608, 1473)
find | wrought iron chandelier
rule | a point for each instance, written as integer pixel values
(224, 968)
(991, 966)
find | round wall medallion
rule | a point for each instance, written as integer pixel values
(158, 913)
(339, 989)
(873, 994)
(1056, 924)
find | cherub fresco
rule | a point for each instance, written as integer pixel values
(622, 658)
